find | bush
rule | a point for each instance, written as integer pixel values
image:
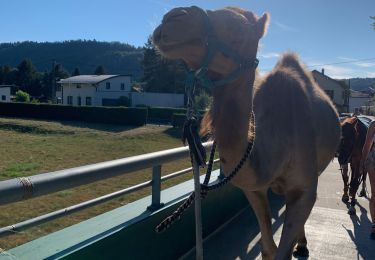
(108, 115)
(203, 101)
(22, 96)
(178, 120)
(124, 101)
(165, 114)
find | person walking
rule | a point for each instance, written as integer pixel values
(368, 164)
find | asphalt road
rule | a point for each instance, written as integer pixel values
(331, 233)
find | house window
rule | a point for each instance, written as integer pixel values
(79, 101)
(3, 98)
(122, 86)
(70, 100)
(329, 92)
(88, 101)
(108, 85)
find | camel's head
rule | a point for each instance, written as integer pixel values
(184, 34)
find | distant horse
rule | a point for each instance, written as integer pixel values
(353, 136)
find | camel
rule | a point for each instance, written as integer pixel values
(297, 129)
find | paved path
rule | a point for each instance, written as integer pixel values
(331, 233)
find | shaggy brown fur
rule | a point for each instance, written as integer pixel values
(296, 125)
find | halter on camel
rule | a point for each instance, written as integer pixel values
(190, 131)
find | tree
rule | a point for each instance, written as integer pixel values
(28, 79)
(76, 72)
(9, 75)
(60, 72)
(2, 75)
(22, 96)
(124, 101)
(161, 75)
(373, 24)
(26, 73)
(100, 70)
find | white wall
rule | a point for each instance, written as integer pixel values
(86, 90)
(327, 84)
(96, 92)
(157, 99)
(115, 84)
(357, 102)
(5, 92)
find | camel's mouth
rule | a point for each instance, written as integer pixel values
(175, 30)
(163, 40)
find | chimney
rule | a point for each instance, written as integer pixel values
(323, 71)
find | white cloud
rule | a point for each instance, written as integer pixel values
(285, 27)
(269, 55)
(365, 64)
(339, 72)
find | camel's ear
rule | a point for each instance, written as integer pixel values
(262, 25)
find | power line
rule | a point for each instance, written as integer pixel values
(332, 63)
(342, 62)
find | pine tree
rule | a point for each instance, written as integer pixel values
(100, 70)
(26, 74)
(76, 72)
(161, 75)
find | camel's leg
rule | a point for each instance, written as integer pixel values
(259, 203)
(362, 193)
(301, 248)
(345, 179)
(298, 207)
(354, 185)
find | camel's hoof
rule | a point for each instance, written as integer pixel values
(362, 193)
(345, 198)
(301, 251)
(351, 211)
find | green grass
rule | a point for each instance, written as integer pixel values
(29, 147)
(19, 169)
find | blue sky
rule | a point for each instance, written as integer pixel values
(336, 33)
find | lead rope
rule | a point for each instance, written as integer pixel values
(205, 188)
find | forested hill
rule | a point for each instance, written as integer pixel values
(115, 57)
(362, 83)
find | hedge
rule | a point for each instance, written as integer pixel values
(165, 114)
(108, 115)
(178, 120)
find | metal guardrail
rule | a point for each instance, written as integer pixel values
(33, 186)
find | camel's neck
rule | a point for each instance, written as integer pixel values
(232, 105)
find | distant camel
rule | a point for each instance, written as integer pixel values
(297, 130)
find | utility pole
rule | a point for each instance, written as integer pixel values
(348, 96)
(53, 83)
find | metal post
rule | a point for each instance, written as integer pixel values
(198, 212)
(156, 187)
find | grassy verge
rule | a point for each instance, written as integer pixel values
(29, 147)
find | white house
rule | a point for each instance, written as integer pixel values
(93, 90)
(105, 90)
(5, 93)
(337, 90)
